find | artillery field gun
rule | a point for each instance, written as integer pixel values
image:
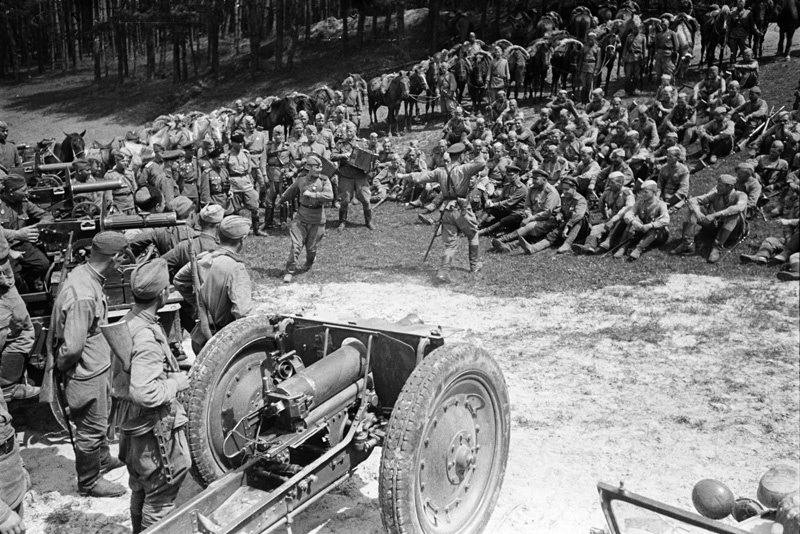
(282, 409)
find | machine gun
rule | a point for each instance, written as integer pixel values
(67, 200)
(281, 410)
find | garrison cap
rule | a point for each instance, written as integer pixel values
(777, 144)
(642, 109)
(13, 182)
(109, 243)
(212, 213)
(587, 150)
(237, 138)
(726, 179)
(650, 185)
(618, 153)
(755, 90)
(302, 113)
(734, 83)
(80, 164)
(319, 116)
(783, 115)
(720, 110)
(569, 180)
(234, 227)
(149, 279)
(146, 154)
(540, 172)
(746, 166)
(673, 135)
(632, 133)
(512, 168)
(674, 151)
(217, 152)
(313, 159)
(182, 206)
(172, 154)
(4, 248)
(666, 77)
(598, 91)
(715, 70)
(456, 149)
(616, 175)
(277, 129)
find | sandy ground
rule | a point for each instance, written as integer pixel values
(707, 387)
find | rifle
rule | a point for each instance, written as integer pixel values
(435, 233)
(747, 140)
(202, 317)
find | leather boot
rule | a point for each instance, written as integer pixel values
(136, 523)
(443, 274)
(489, 229)
(714, 255)
(104, 488)
(475, 263)
(536, 247)
(505, 243)
(256, 223)
(368, 218)
(269, 216)
(342, 217)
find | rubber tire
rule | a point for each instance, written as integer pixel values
(226, 348)
(419, 399)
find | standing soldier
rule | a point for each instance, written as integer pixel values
(83, 359)
(740, 27)
(588, 65)
(633, 58)
(9, 156)
(122, 197)
(147, 381)
(352, 181)
(219, 184)
(324, 136)
(278, 158)
(224, 290)
(666, 48)
(256, 144)
(308, 225)
(353, 100)
(189, 177)
(244, 198)
(152, 173)
(16, 340)
(498, 74)
(457, 215)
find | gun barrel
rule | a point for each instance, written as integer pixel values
(105, 185)
(54, 167)
(149, 220)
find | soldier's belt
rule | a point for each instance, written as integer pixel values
(7, 447)
(311, 207)
(160, 422)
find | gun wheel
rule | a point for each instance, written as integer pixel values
(86, 208)
(225, 386)
(446, 448)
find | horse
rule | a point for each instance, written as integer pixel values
(517, 59)
(788, 17)
(431, 70)
(761, 11)
(549, 23)
(269, 115)
(609, 45)
(460, 70)
(683, 30)
(103, 152)
(416, 88)
(540, 52)
(322, 96)
(580, 23)
(376, 90)
(563, 62)
(72, 147)
(606, 12)
(397, 93)
(206, 126)
(478, 79)
(713, 33)
(159, 134)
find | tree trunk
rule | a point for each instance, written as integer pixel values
(387, 22)
(192, 30)
(401, 17)
(345, 37)
(270, 18)
(176, 57)
(293, 32)
(279, 27)
(498, 11)
(362, 17)
(307, 20)
(484, 15)
(150, 45)
(433, 24)
(236, 28)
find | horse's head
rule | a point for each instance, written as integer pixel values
(405, 84)
(74, 143)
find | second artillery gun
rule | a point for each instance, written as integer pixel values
(282, 410)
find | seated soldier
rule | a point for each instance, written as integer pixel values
(673, 180)
(524, 134)
(637, 156)
(586, 131)
(554, 165)
(480, 132)
(784, 130)
(681, 119)
(598, 105)
(614, 200)
(646, 126)
(662, 89)
(613, 140)
(586, 172)
(647, 223)
(439, 157)
(663, 105)
(561, 102)
(523, 159)
(510, 113)
(720, 211)
(747, 183)
(616, 115)
(497, 164)
(733, 98)
(716, 136)
(777, 250)
(542, 207)
(456, 130)
(670, 141)
(616, 163)
(508, 209)
(751, 114)
(570, 146)
(707, 90)
(773, 171)
(746, 71)
(572, 219)
(542, 122)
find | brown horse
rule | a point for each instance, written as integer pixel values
(517, 59)
(538, 66)
(396, 94)
(416, 88)
(72, 147)
(431, 69)
(787, 13)
(713, 33)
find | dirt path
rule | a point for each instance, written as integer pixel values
(656, 385)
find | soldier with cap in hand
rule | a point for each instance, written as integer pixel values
(147, 381)
(224, 283)
(457, 215)
(16, 336)
(308, 225)
(83, 358)
(721, 211)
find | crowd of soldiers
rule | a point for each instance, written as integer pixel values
(599, 177)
